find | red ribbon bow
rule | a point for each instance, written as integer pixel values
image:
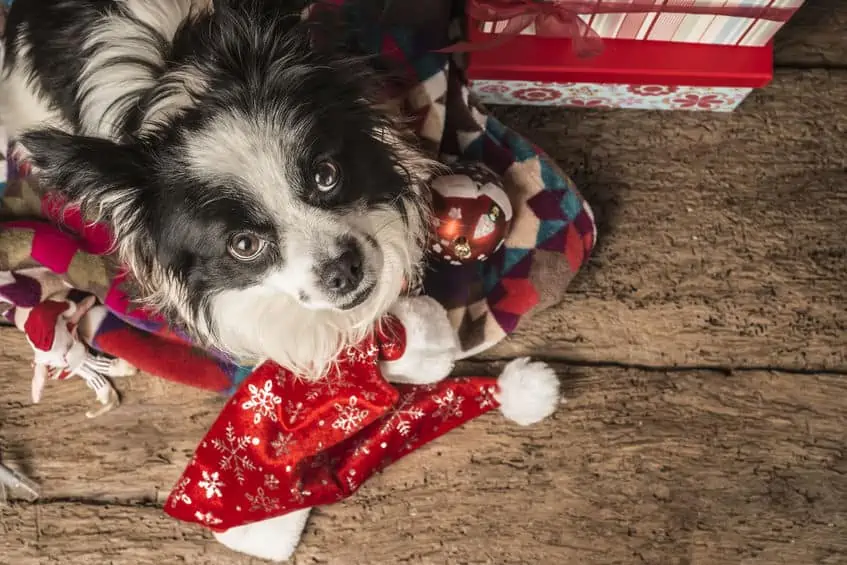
(282, 443)
(551, 19)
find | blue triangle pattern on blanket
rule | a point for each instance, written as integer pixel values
(427, 64)
(552, 179)
(474, 152)
(521, 149)
(548, 228)
(512, 256)
(490, 277)
(571, 205)
(495, 130)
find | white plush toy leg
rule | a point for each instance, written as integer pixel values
(274, 539)
(527, 391)
(431, 344)
(121, 368)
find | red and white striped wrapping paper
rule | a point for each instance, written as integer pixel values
(615, 19)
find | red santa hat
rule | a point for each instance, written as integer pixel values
(40, 326)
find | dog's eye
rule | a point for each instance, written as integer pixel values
(246, 246)
(327, 175)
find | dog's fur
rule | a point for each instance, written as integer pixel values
(181, 123)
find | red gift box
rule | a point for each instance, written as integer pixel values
(528, 69)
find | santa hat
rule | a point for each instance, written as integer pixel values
(40, 326)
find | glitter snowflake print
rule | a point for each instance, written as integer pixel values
(449, 406)
(359, 355)
(271, 482)
(282, 444)
(211, 483)
(261, 501)
(349, 417)
(206, 518)
(298, 494)
(263, 402)
(486, 398)
(233, 450)
(352, 485)
(179, 494)
(401, 416)
(294, 410)
(360, 449)
(331, 385)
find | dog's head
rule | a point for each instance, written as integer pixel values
(270, 203)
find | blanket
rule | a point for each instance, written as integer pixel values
(44, 248)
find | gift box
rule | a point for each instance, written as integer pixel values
(718, 22)
(633, 74)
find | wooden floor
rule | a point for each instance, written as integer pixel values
(704, 352)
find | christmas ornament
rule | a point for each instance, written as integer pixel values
(51, 329)
(282, 444)
(472, 212)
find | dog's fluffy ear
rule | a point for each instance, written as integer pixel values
(104, 178)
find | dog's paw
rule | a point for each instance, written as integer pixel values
(431, 345)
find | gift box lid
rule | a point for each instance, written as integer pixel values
(621, 61)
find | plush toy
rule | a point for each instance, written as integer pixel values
(283, 445)
(52, 328)
(472, 211)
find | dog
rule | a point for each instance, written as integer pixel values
(262, 193)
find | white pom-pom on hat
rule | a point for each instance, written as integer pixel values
(528, 391)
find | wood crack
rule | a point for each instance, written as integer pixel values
(810, 67)
(84, 501)
(727, 370)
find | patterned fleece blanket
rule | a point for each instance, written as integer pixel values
(553, 231)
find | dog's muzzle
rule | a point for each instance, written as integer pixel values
(341, 277)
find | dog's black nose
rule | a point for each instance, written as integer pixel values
(343, 274)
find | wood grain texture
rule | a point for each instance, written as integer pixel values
(815, 36)
(135, 453)
(721, 237)
(638, 467)
(721, 245)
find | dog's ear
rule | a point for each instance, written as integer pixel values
(104, 178)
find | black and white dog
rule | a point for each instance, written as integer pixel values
(263, 194)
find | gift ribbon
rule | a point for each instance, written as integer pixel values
(560, 18)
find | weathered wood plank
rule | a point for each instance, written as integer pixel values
(131, 454)
(686, 467)
(721, 237)
(81, 534)
(814, 37)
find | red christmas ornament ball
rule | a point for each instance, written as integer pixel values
(473, 214)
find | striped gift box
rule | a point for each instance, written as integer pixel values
(679, 20)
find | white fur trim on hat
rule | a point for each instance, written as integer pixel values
(274, 539)
(527, 391)
(431, 344)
